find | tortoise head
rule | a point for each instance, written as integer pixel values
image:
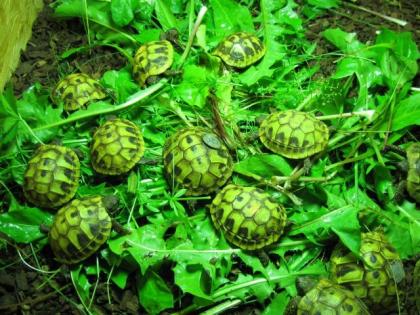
(305, 283)
(110, 202)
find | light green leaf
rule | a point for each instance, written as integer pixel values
(122, 12)
(407, 113)
(165, 16)
(22, 223)
(154, 294)
(192, 278)
(225, 22)
(277, 305)
(264, 165)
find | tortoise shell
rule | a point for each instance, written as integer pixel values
(293, 134)
(116, 147)
(248, 217)
(329, 298)
(413, 174)
(76, 90)
(240, 50)
(196, 159)
(52, 176)
(80, 228)
(152, 59)
(374, 277)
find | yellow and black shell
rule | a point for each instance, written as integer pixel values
(329, 298)
(152, 59)
(76, 90)
(248, 217)
(240, 50)
(196, 159)
(52, 176)
(374, 277)
(413, 175)
(116, 147)
(293, 134)
(79, 229)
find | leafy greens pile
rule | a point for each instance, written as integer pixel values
(180, 260)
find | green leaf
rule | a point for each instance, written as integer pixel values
(195, 85)
(277, 305)
(226, 23)
(121, 83)
(403, 232)
(122, 12)
(22, 223)
(264, 165)
(81, 284)
(119, 277)
(406, 113)
(146, 245)
(154, 294)
(96, 10)
(253, 261)
(324, 4)
(274, 17)
(35, 108)
(192, 278)
(359, 61)
(397, 56)
(383, 182)
(342, 221)
(165, 16)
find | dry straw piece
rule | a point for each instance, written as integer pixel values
(16, 19)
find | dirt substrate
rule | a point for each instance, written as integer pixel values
(26, 291)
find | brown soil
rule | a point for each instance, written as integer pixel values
(50, 38)
(25, 291)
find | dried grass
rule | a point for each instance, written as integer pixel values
(16, 19)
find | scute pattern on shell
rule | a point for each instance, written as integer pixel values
(152, 59)
(372, 280)
(116, 147)
(79, 229)
(52, 176)
(196, 159)
(293, 134)
(240, 50)
(248, 217)
(76, 90)
(413, 175)
(329, 298)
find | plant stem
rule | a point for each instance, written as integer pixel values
(258, 280)
(133, 99)
(197, 23)
(308, 99)
(31, 131)
(307, 179)
(385, 17)
(222, 307)
(364, 113)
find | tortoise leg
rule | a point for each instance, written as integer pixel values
(292, 306)
(44, 228)
(399, 193)
(119, 228)
(391, 147)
